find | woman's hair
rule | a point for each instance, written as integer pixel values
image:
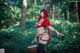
(43, 10)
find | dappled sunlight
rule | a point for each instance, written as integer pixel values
(65, 24)
(55, 22)
(8, 30)
(17, 24)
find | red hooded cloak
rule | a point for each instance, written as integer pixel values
(46, 22)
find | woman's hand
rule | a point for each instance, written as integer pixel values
(39, 24)
(36, 24)
(59, 34)
(35, 40)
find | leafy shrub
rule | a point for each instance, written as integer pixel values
(17, 41)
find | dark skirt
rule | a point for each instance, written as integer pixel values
(41, 48)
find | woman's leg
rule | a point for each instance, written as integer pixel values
(41, 48)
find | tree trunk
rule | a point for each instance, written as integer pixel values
(23, 14)
(58, 16)
(76, 11)
(63, 16)
(35, 3)
(53, 12)
(67, 11)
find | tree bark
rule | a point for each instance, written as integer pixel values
(76, 11)
(35, 3)
(67, 11)
(58, 16)
(53, 12)
(23, 14)
(67, 14)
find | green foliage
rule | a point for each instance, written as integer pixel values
(15, 40)
(33, 11)
(67, 44)
(10, 10)
(8, 14)
(72, 17)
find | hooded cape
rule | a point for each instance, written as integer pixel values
(46, 22)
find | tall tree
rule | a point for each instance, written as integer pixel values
(53, 9)
(67, 9)
(35, 3)
(67, 13)
(76, 11)
(23, 14)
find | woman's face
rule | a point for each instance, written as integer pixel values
(42, 14)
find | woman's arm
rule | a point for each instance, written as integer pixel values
(54, 30)
(35, 39)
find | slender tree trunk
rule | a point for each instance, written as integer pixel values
(41, 1)
(58, 16)
(63, 16)
(67, 11)
(35, 3)
(23, 14)
(53, 9)
(76, 11)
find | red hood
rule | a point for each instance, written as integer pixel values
(45, 14)
(46, 22)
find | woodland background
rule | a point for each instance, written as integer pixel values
(17, 19)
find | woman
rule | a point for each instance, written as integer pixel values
(42, 35)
